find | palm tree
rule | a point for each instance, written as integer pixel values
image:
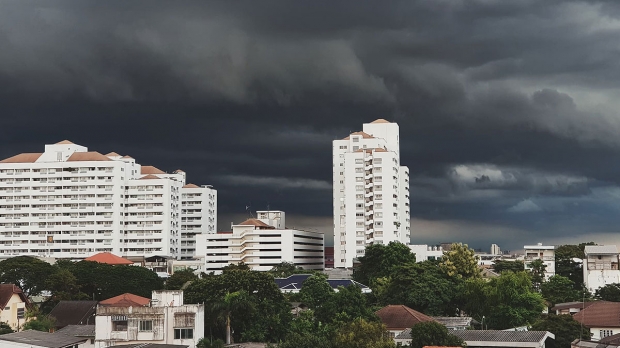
(233, 302)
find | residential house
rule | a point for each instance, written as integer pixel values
(545, 253)
(293, 284)
(80, 331)
(109, 258)
(570, 307)
(38, 339)
(13, 305)
(612, 341)
(73, 313)
(602, 318)
(398, 318)
(495, 338)
(165, 320)
(600, 266)
(126, 300)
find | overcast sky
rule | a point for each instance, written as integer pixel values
(508, 109)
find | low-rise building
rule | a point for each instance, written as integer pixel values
(13, 305)
(263, 243)
(294, 283)
(165, 320)
(425, 252)
(398, 318)
(602, 318)
(600, 266)
(571, 308)
(545, 253)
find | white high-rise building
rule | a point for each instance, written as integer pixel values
(68, 202)
(371, 191)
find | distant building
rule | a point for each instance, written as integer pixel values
(329, 257)
(545, 253)
(425, 252)
(370, 191)
(166, 320)
(600, 266)
(261, 245)
(495, 250)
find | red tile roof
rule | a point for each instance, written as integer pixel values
(399, 317)
(65, 142)
(380, 120)
(126, 300)
(112, 154)
(7, 291)
(87, 156)
(191, 186)
(257, 223)
(151, 170)
(600, 314)
(146, 177)
(364, 135)
(23, 158)
(109, 258)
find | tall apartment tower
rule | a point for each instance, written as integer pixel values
(68, 202)
(371, 191)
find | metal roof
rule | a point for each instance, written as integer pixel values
(42, 339)
(295, 282)
(77, 330)
(501, 336)
(601, 249)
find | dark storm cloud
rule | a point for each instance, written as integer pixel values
(507, 109)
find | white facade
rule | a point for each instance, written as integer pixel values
(600, 266)
(545, 253)
(68, 202)
(495, 250)
(425, 252)
(261, 246)
(371, 191)
(167, 321)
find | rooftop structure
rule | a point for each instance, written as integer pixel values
(600, 266)
(38, 339)
(545, 253)
(67, 313)
(294, 283)
(108, 258)
(126, 300)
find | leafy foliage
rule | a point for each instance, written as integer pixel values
(432, 333)
(29, 273)
(460, 261)
(179, 278)
(380, 261)
(37, 321)
(560, 289)
(5, 328)
(500, 266)
(537, 272)
(566, 266)
(423, 287)
(564, 327)
(287, 269)
(315, 291)
(609, 292)
(207, 343)
(363, 334)
(344, 306)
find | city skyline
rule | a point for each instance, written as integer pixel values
(507, 110)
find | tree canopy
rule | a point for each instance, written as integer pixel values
(434, 334)
(29, 273)
(609, 292)
(460, 261)
(380, 261)
(500, 266)
(560, 289)
(180, 278)
(565, 328)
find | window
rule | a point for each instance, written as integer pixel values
(181, 334)
(146, 325)
(119, 325)
(606, 333)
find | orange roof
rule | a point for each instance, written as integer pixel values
(151, 170)
(257, 223)
(400, 317)
(126, 300)
(148, 177)
(127, 157)
(112, 154)
(364, 135)
(87, 156)
(191, 186)
(600, 314)
(380, 120)
(179, 171)
(65, 142)
(22, 158)
(108, 258)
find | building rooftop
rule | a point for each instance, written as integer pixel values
(23, 158)
(363, 134)
(600, 314)
(126, 300)
(568, 305)
(454, 321)
(73, 313)
(151, 345)
(108, 258)
(151, 170)
(65, 142)
(87, 156)
(613, 339)
(149, 177)
(294, 283)
(601, 250)
(42, 339)
(401, 317)
(501, 336)
(112, 154)
(380, 120)
(191, 186)
(7, 291)
(77, 330)
(257, 223)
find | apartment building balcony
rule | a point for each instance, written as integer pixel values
(543, 258)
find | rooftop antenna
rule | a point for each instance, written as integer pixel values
(247, 209)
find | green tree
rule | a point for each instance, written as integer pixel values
(29, 273)
(241, 266)
(62, 285)
(270, 320)
(206, 343)
(460, 261)
(609, 292)
(424, 287)
(286, 269)
(380, 260)
(500, 266)
(564, 327)
(180, 278)
(363, 334)
(315, 291)
(345, 305)
(566, 266)
(537, 272)
(432, 333)
(560, 289)
(234, 304)
(5, 328)
(37, 321)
